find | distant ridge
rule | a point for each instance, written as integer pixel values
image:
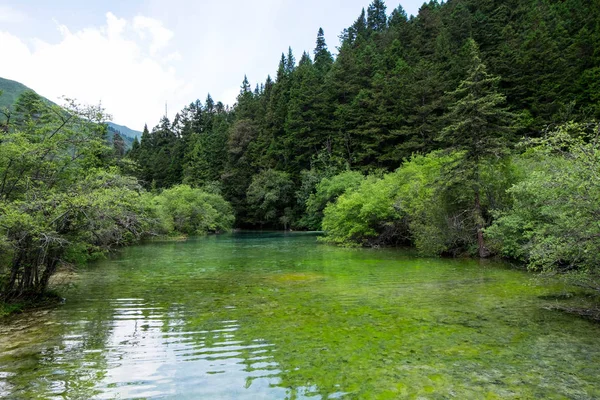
(11, 90)
(125, 131)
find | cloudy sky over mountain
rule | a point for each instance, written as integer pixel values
(136, 55)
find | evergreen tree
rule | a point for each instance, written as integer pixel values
(376, 16)
(209, 105)
(245, 86)
(290, 62)
(425, 106)
(165, 168)
(145, 157)
(135, 146)
(323, 58)
(480, 127)
(276, 113)
(301, 140)
(358, 30)
(118, 145)
(398, 17)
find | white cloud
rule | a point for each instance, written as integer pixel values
(10, 15)
(120, 64)
(160, 35)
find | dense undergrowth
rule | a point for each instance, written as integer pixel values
(540, 205)
(468, 129)
(66, 198)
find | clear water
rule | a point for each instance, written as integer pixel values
(279, 316)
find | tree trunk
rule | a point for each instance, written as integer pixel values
(51, 264)
(483, 251)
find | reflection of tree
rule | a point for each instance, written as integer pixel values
(107, 341)
(60, 357)
(274, 318)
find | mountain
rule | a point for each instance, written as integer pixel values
(127, 139)
(11, 90)
(125, 131)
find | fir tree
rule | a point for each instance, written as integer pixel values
(118, 145)
(376, 16)
(323, 58)
(245, 88)
(290, 62)
(358, 29)
(479, 126)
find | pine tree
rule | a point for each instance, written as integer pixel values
(301, 140)
(398, 17)
(323, 58)
(145, 157)
(376, 16)
(166, 168)
(358, 30)
(118, 145)
(276, 113)
(426, 28)
(245, 88)
(135, 146)
(425, 103)
(290, 62)
(479, 126)
(209, 104)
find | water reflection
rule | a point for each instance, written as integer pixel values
(274, 317)
(144, 351)
(150, 353)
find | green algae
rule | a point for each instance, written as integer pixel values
(280, 316)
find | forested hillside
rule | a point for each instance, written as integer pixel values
(467, 129)
(11, 91)
(386, 96)
(66, 197)
(454, 96)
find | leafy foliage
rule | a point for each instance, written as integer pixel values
(271, 195)
(553, 223)
(189, 211)
(418, 204)
(64, 198)
(327, 191)
(59, 201)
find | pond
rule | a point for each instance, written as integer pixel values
(280, 316)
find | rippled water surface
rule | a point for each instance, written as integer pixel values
(274, 316)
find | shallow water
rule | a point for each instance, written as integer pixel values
(274, 316)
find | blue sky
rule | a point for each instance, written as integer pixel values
(133, 56)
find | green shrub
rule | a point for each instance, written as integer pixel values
(553, 222)
(189, 211)
(418, 203)
(327, 191)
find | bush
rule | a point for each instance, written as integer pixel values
(361, 216)
(189, 211)
(270, 197)
(553, 222)
(327, 191)
(418, 204)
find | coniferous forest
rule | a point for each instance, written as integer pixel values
(441, 174)
(468, 129)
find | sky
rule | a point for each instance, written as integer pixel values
(136, 56)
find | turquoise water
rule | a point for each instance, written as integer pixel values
(280, 316)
